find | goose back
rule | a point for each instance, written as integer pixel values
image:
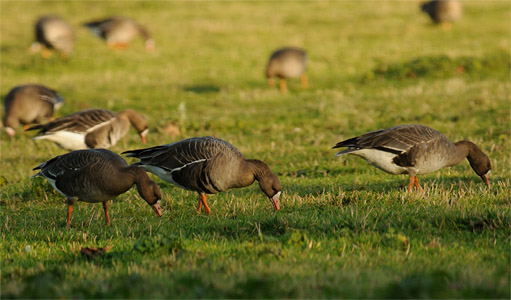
(443, 10)
(31, 103)
(90, 128)
(416, 149)
(117, 29)
(287, 62)
(54, 33)
(89, 175)
(204, 164)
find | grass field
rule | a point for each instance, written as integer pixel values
(346, 229)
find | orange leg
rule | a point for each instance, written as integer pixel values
(46, 53)
(202, 201)
(271, 82)
(69, 213)
(417, 185)
(118, 45)
(305, 81)
(107, 217)
(283, 86)
(411, 181)
(446, 26)
(25, 127)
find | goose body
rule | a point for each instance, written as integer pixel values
(414, 150)
(28, 104)
(53, 33)
(288, 62)
(119, 32)
(443, 11)
(91, 128)
(97, 175)
(207, 165)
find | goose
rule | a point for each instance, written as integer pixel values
(27, 104)
(119, 31)
(51, 32)
(287, 62)
(207, 165)
(97, 175)
(443, 11)
(91, 128)
(415, 149)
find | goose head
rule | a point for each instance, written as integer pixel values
(151, 193)
(270, 185)
(137, 121)
(481, 164)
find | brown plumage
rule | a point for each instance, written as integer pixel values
(118, 32)
(207, 165)
(92, 128)
(443, 11)
(414, 150)
(53, 33)
(288, 62)
(97, 175)
(28, 104)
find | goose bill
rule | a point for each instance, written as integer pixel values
(157, 209)
(275, 201)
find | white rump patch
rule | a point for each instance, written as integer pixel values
(65, 139)
(52, 182)
(162, 174)
(381, 159)
(167, 175)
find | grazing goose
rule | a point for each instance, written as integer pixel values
(443, 11)
(97, 175)
(118, 32)
(415, 149)
(27, 104)
(92, 128)
(285, 63)
(51, 32)
(207, 165)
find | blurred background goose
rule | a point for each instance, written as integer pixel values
(97, 175)
(119, 32)
(415, 150)
(288, 62)
(53, 33)
(443, 11)
(28, 104)
(92, 128)
(207, 165)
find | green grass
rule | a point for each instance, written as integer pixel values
(345, 230)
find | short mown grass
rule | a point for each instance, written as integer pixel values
(345, 230)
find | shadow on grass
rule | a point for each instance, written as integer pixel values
(396, 183)
(202, 89)
(56, 283)
(437, 284)
(51, 284)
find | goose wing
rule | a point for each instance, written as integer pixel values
(178, 155)
(82, 121)
(66, 164)
(77, 170)
(50, 95)
(394, 140)
(102, 27)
